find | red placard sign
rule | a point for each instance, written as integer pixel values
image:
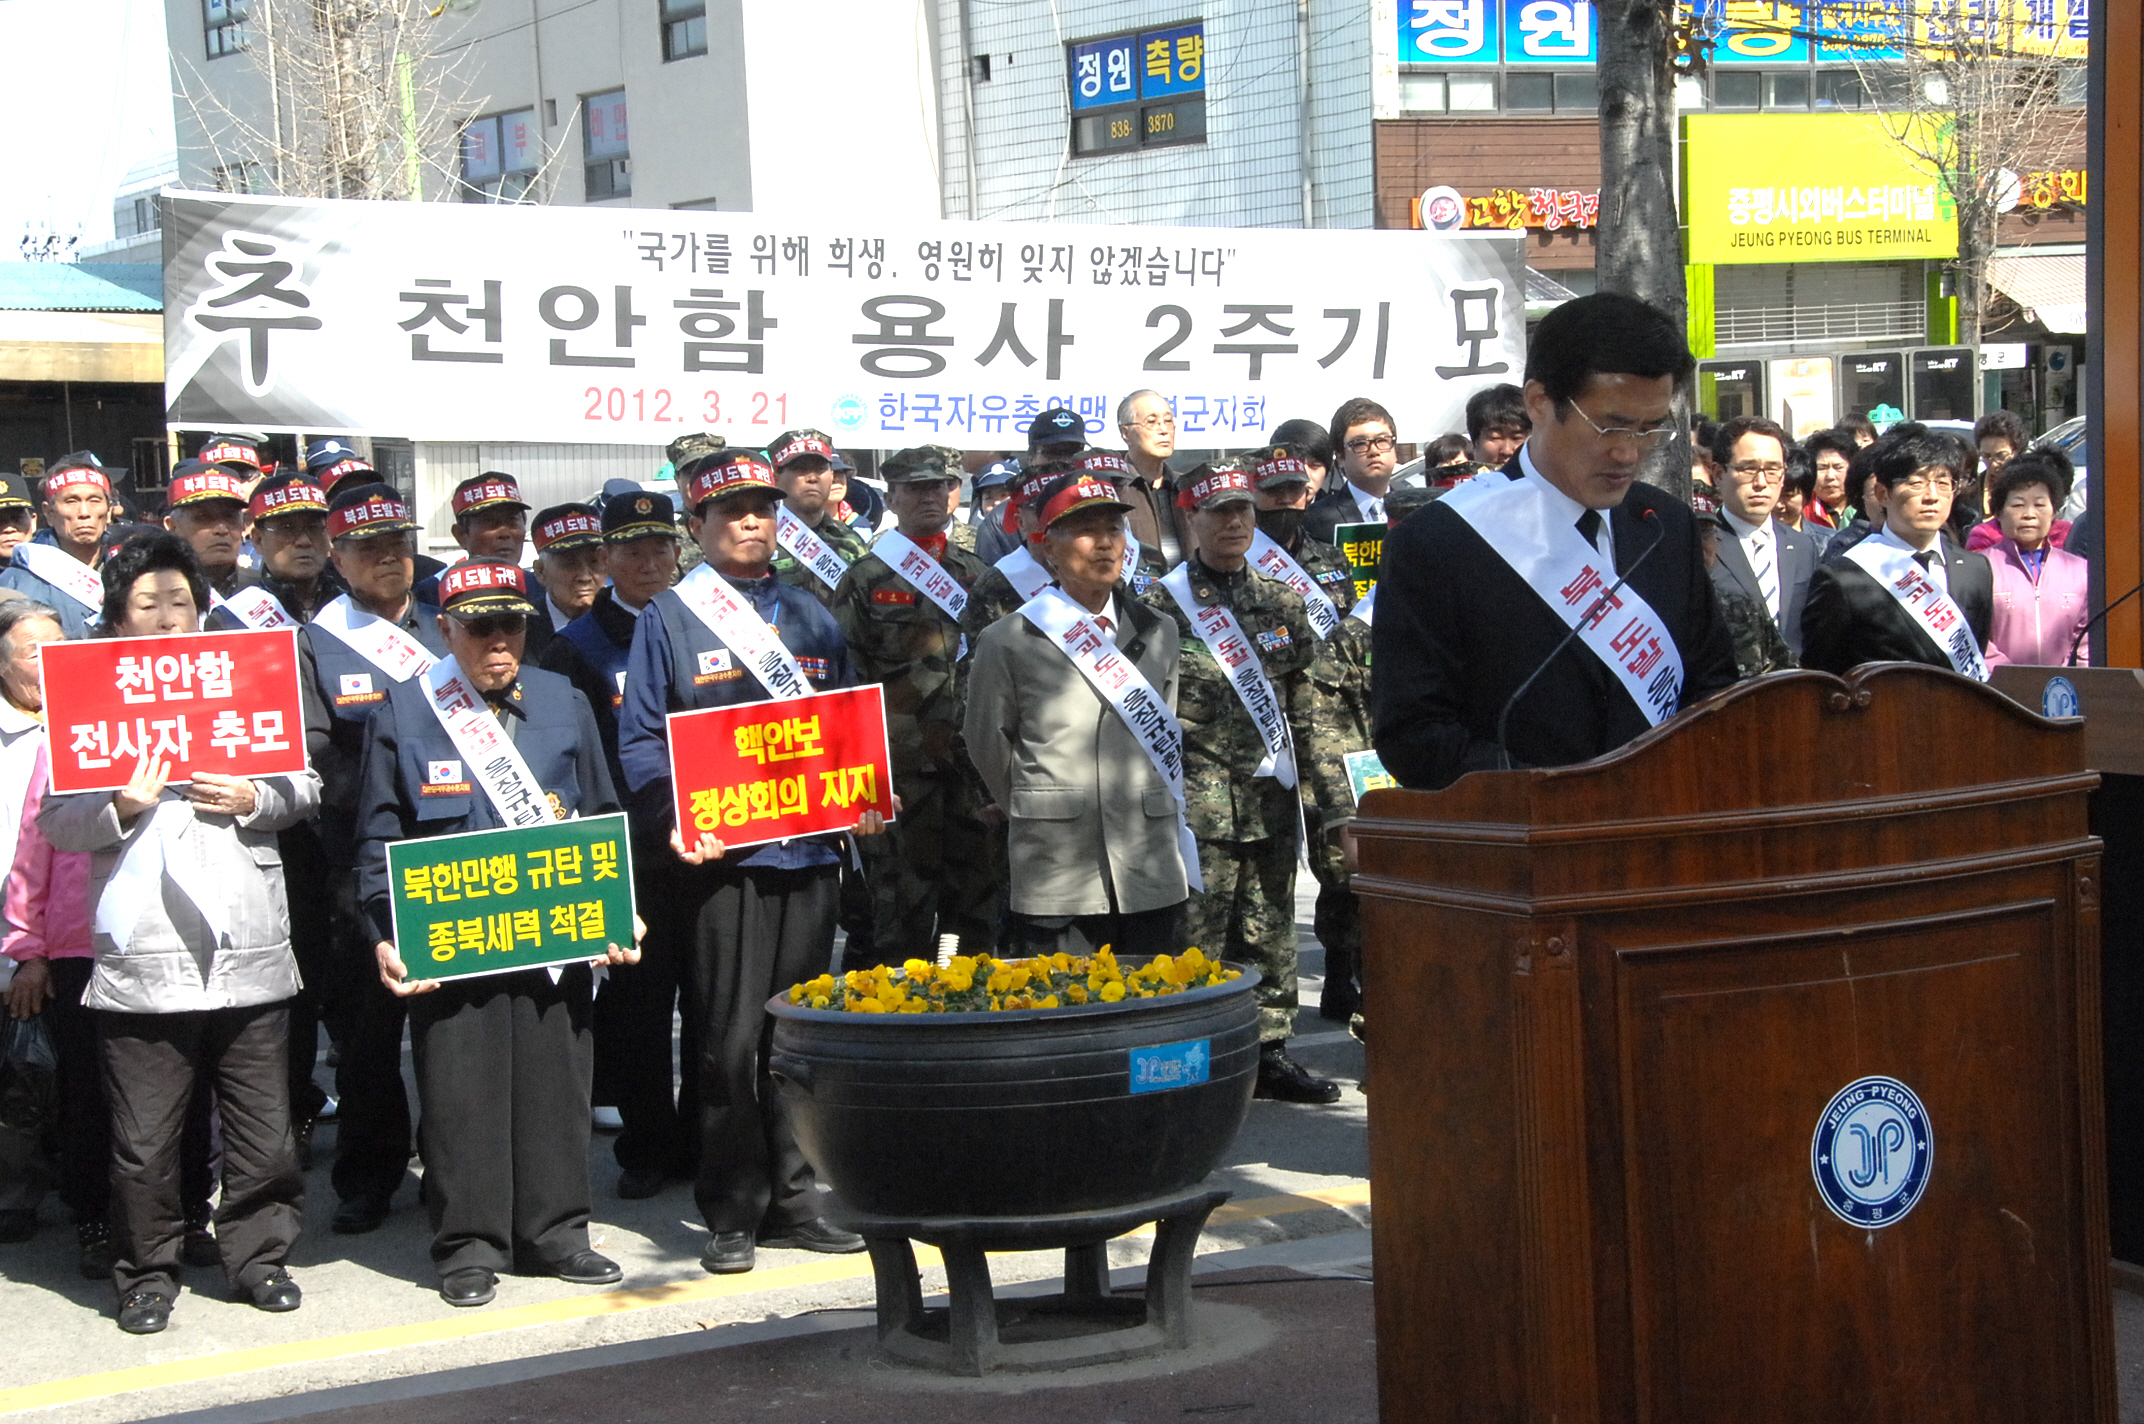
(217, 702)
(789, 766)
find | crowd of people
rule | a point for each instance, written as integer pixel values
(1121, 702)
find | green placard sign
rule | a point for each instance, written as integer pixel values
(485, 902)
(1366, 773)
(1364, 545)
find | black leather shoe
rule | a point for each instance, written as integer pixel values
(729, 1253)
(145, 1312)
(94, 1239)
(18, 1225)
(198, 1248)
(1284, 1080)
(276, 1293)
(358, 1215)
(586, 1268)
(818, 1234)
(639, 1183)
(471, 1285)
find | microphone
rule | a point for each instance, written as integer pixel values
(2086, 631)
(1503, 718)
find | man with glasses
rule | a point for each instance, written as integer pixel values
(1367, 448)
(1764, 560)
(1147, 424)
(1905, 593)
(1480, 590)
(357, 647)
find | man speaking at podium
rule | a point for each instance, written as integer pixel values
(1553, 614)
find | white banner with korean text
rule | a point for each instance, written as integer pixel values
(452, 321)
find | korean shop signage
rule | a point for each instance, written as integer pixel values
(475, 321)
(485, 902)
(1157, 64)
(218, 702)
(1809, 188)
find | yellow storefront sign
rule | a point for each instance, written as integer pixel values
(1809, 188)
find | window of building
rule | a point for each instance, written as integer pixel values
(225, 26)
(132, 217)
(1839, 89)
(1529, 93)
(1731, 90)
(1522, 92)
(1422, 93)
(500, 156)
(1786, 91)
(604, 146)
(1472, 93)
(1578, 93)
(684, 28)
(246, 177)
(1141, 90)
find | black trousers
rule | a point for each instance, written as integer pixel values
(633, 1017)
(757, 932)
(152, 1066)
(372, 1119)
(503, 1065)
(312, 940)
(1138, 934)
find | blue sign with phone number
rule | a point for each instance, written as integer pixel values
(1157, 64)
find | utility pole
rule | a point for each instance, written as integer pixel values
(1640, 230)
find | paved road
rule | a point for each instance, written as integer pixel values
(371, 1311)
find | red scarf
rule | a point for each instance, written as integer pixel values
(934, 546)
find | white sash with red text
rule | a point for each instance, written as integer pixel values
(1224, 637)
(743, 631)
(490, 755)
(925, 574)
(1933, 611)
(374, 639)
(807, 548)
(1516, 519)
(1128, 694)
(64, 572)
(255, 607)
(1270, 559)
(1024, 572)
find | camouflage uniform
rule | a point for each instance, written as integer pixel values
(1247, 826)
(1334, 575)
(936, 869)
(683, 451)
(841, 538)
(963, 535)
(991, 599)
(1758, 646)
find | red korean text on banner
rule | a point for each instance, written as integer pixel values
(767, 771)
(216, 702)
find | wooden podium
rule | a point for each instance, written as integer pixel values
(1612, 1004)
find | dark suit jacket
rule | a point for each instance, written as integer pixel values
(1797, 562)
(1331, 509)
(1851, 619)
(1458, 631)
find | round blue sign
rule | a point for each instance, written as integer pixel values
(849, 412)
(2059, 698)
(1872, 1152)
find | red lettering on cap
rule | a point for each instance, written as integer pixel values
(802, 445)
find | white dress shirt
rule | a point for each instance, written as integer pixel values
(1569, 510)
(1371, 505)
(1760, 545)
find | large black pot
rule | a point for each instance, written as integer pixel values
(1033, 1112)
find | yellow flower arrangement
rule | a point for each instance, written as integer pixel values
(981, 984)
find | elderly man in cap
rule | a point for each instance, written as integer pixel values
(491, 521)
(290, 531)
(1068, 721)
(357, 647)
(685, 455)
(633, 1011)
(1245, 704)
(1053, 438)
(900, 609)
(18, 514)
(569, 563)
(813, 548)
(503, 1060)
(206, 507)
(63, 574)
(761, 918)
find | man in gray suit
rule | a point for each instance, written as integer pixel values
(1071, 724)
(1764, 561)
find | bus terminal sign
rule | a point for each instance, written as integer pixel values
(1809, 188)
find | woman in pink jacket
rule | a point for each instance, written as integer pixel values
(2041, 603)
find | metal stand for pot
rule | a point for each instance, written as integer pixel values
(1084, 1326)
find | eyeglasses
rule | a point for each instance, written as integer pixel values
(493, 624)
(1152, 422)
(1368, 444)
(1757, 470)
(1615, 433)
(1922, 484)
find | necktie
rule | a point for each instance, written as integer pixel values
(1926, 558)
(1767, 569)
(1589, 524)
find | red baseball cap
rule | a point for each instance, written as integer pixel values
(69, 475)
(1226, 485)
(1281, 468)
(736, 476)
(486, 491)
(476, 588)
(363, 511)
(290, 494)
(203, 485)
(1069, 494)
(798, 445)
